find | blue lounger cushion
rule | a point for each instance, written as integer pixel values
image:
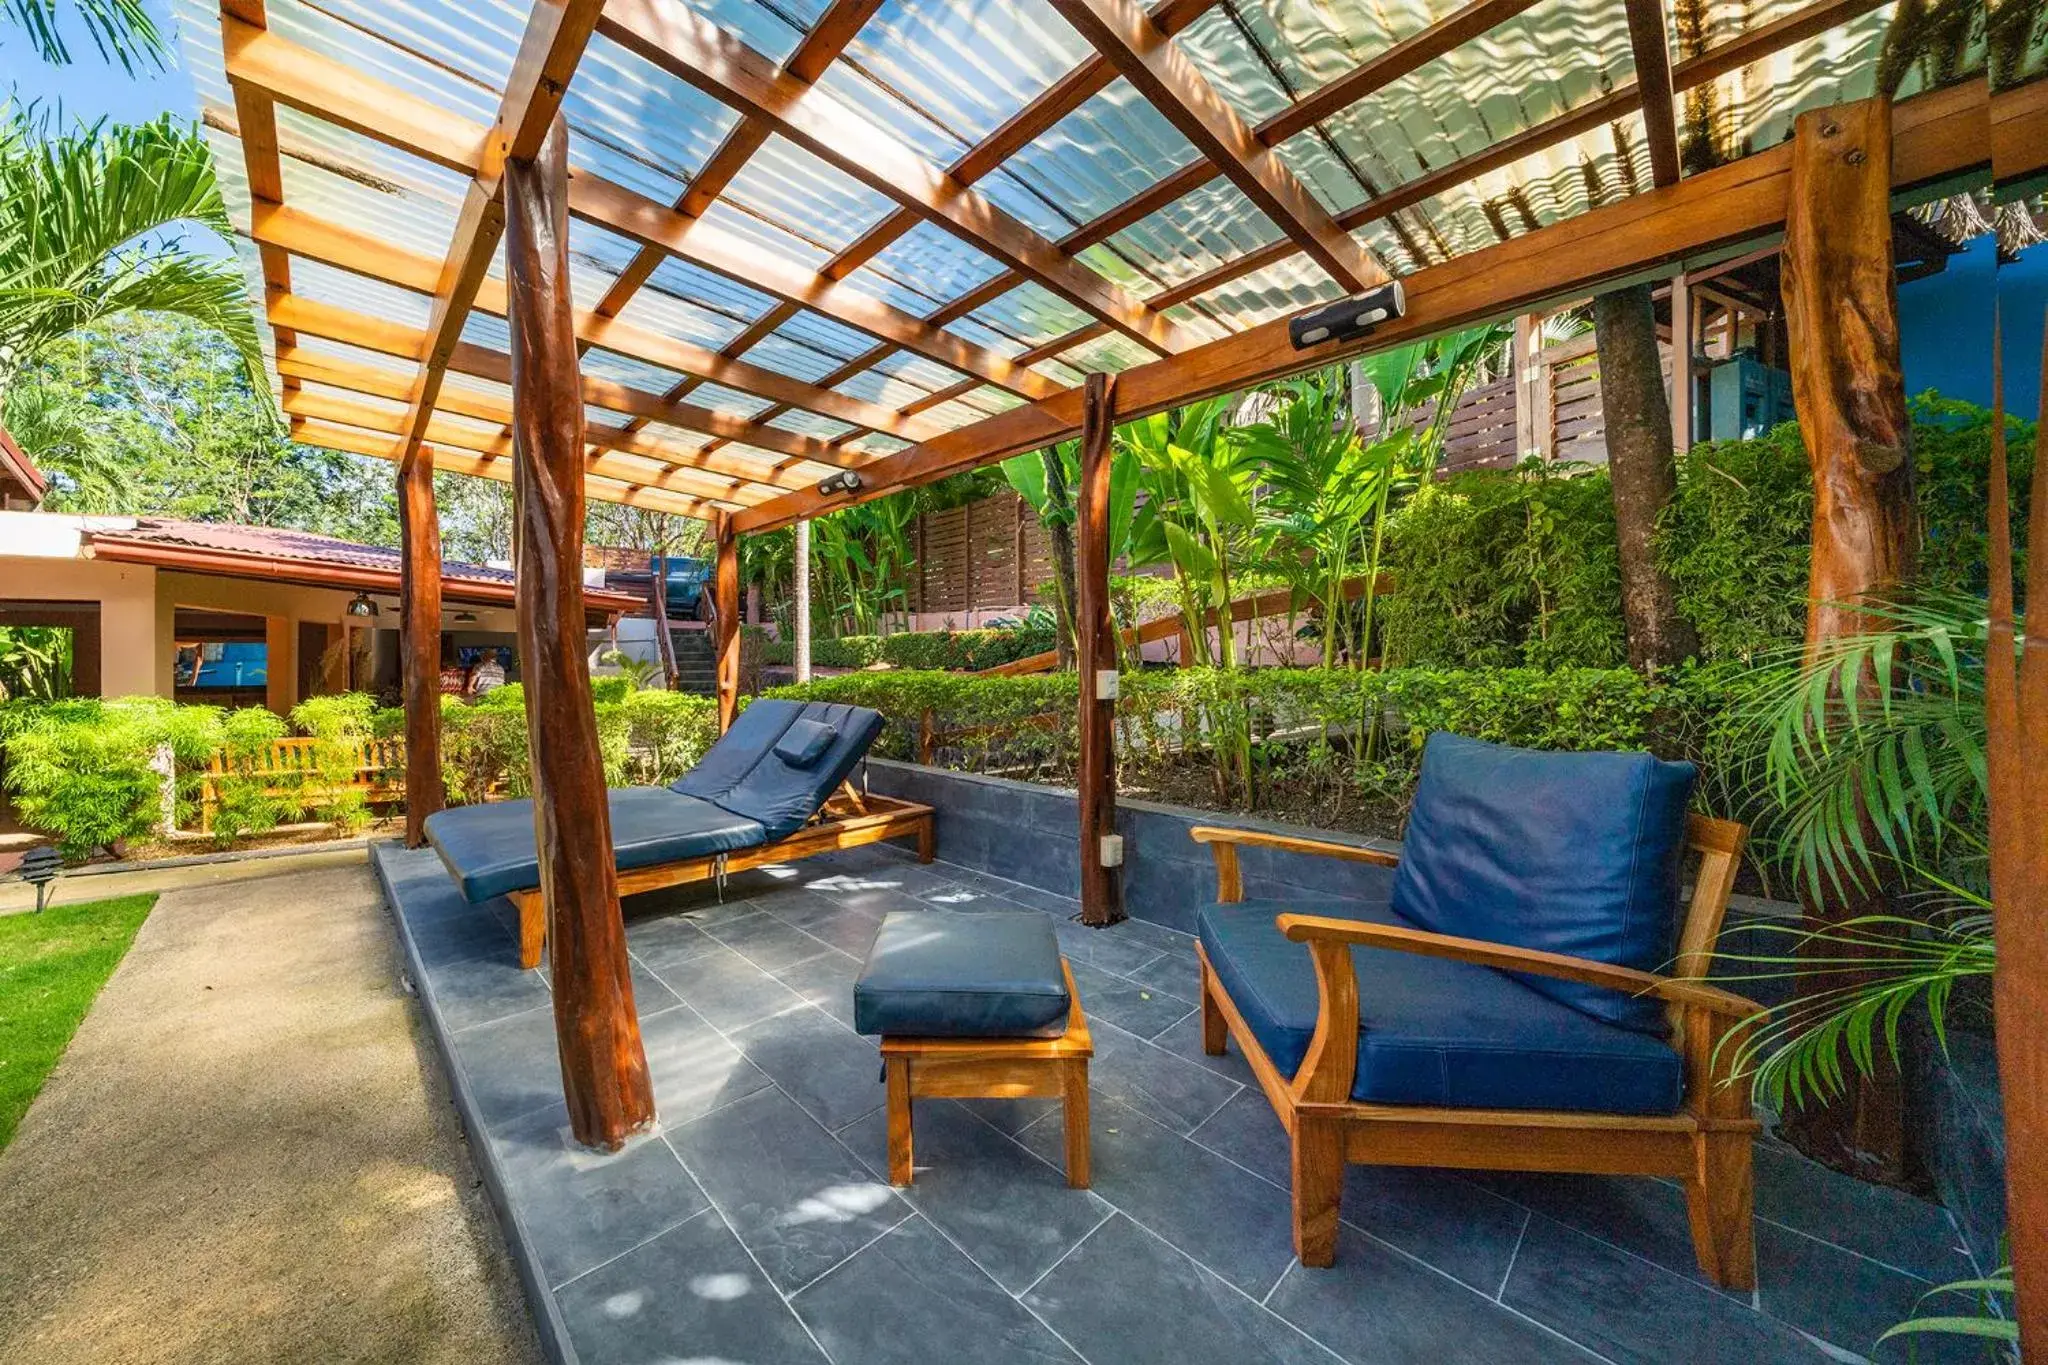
(489, 849)
(782, 795)
(805, 742)
(1573, 853)
(1432, 1031)
(727, 762)
(948, 974)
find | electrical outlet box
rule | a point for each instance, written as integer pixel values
(1107, 687)
(1112, 850)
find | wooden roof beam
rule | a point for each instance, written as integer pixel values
(356, 441)
(1156, 67)
(1935, 137)
(697, 51)
(1651, 45)
(304, 234)
(396, 339)
(256, 127)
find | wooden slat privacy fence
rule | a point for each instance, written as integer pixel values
(988, 555)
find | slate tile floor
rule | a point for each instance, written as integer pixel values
(756, 1224)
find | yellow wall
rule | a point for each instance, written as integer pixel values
(127, 596)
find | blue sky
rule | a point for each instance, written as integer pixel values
(91, 88)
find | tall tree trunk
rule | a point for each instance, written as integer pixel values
(1841, 317)
(419, 641)
(1060, 528)
(1641, 464)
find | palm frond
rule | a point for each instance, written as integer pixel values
(121, 29)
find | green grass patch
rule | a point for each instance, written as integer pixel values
(52, 966)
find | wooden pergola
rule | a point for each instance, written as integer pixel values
(745, 256)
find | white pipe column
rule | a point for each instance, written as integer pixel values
(803, 602)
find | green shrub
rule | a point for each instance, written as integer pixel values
(81, 771)
(1735, 541)
(666, 733)
(967, 651)
(603, 691)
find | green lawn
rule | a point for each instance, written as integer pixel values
(52, 966)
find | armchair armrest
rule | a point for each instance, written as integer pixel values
(1507, 957)
(1223, 845)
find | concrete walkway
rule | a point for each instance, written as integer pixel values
(248, 1155)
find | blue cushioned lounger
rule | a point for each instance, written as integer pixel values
(767, 791)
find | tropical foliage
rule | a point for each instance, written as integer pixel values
(92, 224)
(121, 29)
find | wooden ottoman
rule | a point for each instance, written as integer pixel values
(975, 1006)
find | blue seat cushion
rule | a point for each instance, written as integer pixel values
(1574, 853)
(1435, 1032)
(489, 849)
(948, 974)
(727, 762)
(784, 796)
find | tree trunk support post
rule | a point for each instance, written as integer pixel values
(2016, 707)
(419, 641)
(1681, 363)
(725, 622)
(597, 1029)
(1841, 318)
(1101, 899)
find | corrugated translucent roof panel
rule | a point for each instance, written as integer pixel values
(966, 65)
(926, 265)
(1032, 312)
(1279, 289)
(787, 186)
(1110, 149)
(809, 424)
(1196, 233)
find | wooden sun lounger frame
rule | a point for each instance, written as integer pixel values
(847, 820)
(1706, 1145)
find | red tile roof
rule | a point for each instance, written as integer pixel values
(301, 556)
(18, 469)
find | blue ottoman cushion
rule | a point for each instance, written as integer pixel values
(947, 974)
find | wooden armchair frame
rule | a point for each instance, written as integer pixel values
(1706, 1145)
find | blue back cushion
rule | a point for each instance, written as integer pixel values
(1574, 853)
(783, 796)
(805, 742)
(726, 764)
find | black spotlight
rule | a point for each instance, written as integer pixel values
(845, 481)
(1347, 319)
(39, 868)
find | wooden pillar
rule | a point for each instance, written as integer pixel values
(725, 620)
(1522, 356)
(1681, 364)
(2016, 707)
(1841, 316)
(280, 663)
(419, 640)
(1101, 898)
(800, 610)
(597, 1031)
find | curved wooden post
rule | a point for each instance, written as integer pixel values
(1095, 639)
(597, 1031)
(1841, 318)
(725, 620)
(419, 640)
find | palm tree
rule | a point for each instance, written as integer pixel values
(121, 29)
(88, 225)
(55, 425)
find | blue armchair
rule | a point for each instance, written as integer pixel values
(1503, 1008)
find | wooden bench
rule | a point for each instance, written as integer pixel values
(993, 1069)
(287, 767)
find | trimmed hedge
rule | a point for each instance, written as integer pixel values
(967, 651)
(81, 770)
(1332, 745)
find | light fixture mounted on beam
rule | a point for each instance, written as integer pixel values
(362, 604)
(845, 481)
(1347, 319)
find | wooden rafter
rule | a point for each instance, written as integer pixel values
(697, 51)
(298, 315)
(256, 126)
(1937, 136)
(556, 33)
(1617, 104)
(332, 436)
(1156, 67)
(1651, 44)
(332, 91)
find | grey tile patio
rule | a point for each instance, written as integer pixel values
(939, 1307)
(768, 1111)
(798, 1200)
(1010, 1211)
(692, 1293)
